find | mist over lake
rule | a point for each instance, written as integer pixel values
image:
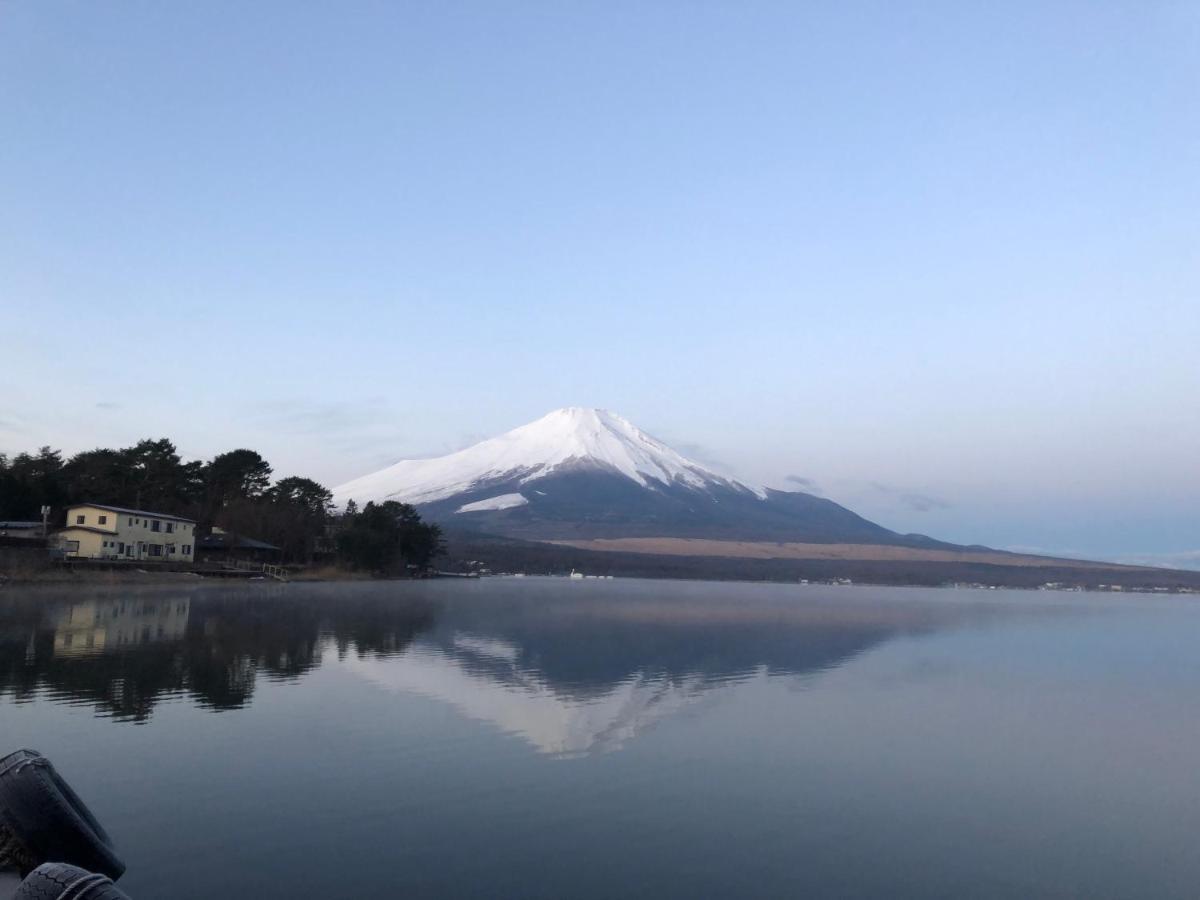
(547, 738)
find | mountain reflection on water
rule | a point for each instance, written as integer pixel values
(569, 668)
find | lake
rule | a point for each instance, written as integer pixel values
(596, 739)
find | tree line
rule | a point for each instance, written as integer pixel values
(233, 490)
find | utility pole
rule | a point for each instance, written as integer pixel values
(45, 521)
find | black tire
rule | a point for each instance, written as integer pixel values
(43, 820)
(58, 881)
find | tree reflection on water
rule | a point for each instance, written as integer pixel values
(126, 653)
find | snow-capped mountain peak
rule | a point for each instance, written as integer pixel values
(566, 438)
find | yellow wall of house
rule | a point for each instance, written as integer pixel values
(91, 516)
(129, 535)
(90, 543)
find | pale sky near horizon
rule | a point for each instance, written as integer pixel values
(936, 261)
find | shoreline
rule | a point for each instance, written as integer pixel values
(149, 578)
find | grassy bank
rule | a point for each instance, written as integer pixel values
(31, 567)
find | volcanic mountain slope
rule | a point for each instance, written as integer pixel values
(581, 473)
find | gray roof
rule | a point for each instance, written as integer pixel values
(134, 512)
(20, 524)
(232, 541)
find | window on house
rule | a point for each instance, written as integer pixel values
(170, 527)
(156, 525)
(104, 520)
(71, 546)
(79, 520)
(155, 550)
(131, 520)
(187, 549)
(120, 546)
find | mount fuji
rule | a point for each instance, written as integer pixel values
(582, 473)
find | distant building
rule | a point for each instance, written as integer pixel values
(21, 530)
(224, 545)
(95, 531)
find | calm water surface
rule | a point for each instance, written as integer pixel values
(546, 738)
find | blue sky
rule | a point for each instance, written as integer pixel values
(938, 260)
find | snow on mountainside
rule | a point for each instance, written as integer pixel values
(566, 439)
(580, 474)
(504, 501)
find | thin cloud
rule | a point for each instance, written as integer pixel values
(806, 483)
(702, 455)
(318, 417)
(909, 499)
(1184, 559)
(469, 439)
(923, 502)
(105, 404)
(12, 422)
(353, 426)
(344, 439)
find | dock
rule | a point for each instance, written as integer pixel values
(236, 569)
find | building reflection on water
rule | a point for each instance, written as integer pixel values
(95, 626)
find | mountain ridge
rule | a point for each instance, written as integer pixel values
(573, 436)
(580, 473)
